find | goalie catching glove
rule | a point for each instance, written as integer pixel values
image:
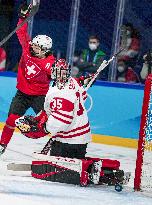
(32, 127)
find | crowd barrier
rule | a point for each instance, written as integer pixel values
(115, 114)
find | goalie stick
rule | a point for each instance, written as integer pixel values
(34, 10)
(27, 167)
(19, 167)
(47, 147)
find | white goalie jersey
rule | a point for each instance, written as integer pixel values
(67, 117)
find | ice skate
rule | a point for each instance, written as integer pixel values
(2, 149)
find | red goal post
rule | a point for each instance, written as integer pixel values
(143, 170)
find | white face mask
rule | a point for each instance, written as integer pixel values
(93, 46)
(121, 68)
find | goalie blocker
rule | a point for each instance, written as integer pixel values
(79, 171)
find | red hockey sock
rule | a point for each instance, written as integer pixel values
(8, 129)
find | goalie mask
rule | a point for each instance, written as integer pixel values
(41, 45)
(60, 73)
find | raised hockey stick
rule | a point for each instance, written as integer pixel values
(102, 66)
(34, 10)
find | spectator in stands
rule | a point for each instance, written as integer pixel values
(2, 59)
(130, 41)
(91, 58)
(147, 65)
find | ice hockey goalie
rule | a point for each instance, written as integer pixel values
(65, 117)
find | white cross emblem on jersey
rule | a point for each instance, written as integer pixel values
(31, 70)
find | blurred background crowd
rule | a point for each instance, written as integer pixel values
(86, 33)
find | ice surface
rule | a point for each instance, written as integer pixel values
(20, 188)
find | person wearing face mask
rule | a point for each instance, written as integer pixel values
(130, 42)
(34, 75)
(91, 58)
(146, 65)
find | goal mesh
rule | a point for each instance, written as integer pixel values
(143, 171)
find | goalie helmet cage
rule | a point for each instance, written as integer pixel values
(143, 171)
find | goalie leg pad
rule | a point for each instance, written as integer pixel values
(50, 172)
(60, 169)
(78, 171)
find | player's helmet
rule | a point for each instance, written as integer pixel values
(43, 41)
(60, 72)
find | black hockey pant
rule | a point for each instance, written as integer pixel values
(68, 150)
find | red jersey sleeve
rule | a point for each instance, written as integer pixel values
(22, 34)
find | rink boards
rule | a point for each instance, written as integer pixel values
(114, 117)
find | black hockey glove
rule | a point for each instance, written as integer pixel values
(27, 124)
(24, 10)
(30, 127)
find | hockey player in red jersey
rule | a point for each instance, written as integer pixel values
(33, 78)
(64, 116)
